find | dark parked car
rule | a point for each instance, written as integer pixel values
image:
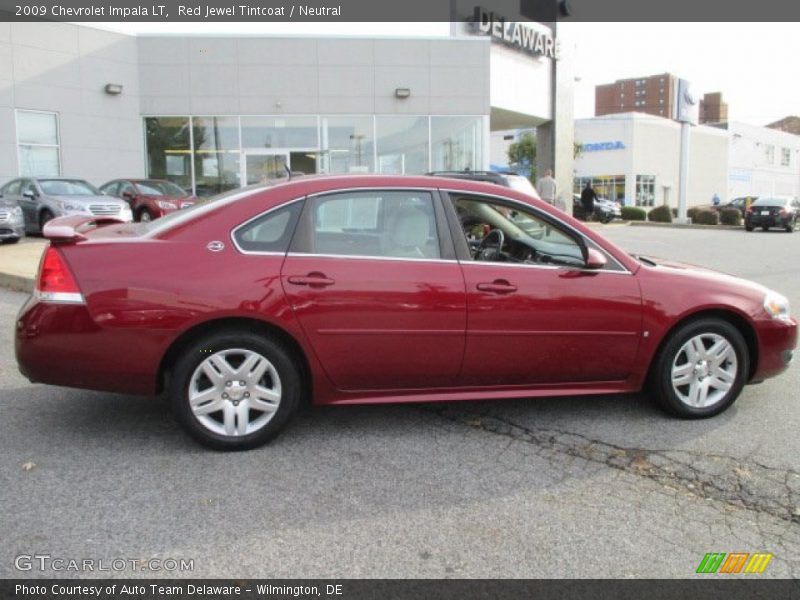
(775, 211)
(46, 198)
(739, 203)
(375, 289)
(149, 198)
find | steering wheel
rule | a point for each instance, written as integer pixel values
(490, 245)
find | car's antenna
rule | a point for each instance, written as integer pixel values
(288, 171)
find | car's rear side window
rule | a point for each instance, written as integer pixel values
(270, 232)
(371, 223)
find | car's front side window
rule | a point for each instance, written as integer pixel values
(373, 223)
(497, 232)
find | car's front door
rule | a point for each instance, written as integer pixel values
(29, 202)
(374, 283)
(535, 314)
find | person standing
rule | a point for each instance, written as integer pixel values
(588, 197)
(715, 200)
(547, 188)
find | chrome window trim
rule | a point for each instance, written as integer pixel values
(364, 257)
(622, 271)
(236, 245)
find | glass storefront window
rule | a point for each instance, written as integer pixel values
(37, 143)
(216, 154)
(402, 145)
(348, 145)
(169, 150)
(611, 187)
(213, 154)
(279, 132)
(456, 143)
(645, 190)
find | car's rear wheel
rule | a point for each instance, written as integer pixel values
(701, 369)
(234, 391)
(791, 225)
(748, 228)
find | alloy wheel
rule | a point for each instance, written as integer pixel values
(704, 370)
(234, 392)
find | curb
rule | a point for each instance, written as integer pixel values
(16, 283)
(693, 226)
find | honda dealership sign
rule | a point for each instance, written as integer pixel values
(687, 108)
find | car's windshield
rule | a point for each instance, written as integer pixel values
(160, 188)
(771, 202)
(67, 187)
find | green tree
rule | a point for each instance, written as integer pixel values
(522, 154)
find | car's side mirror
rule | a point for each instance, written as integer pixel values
(595, 259)
(127, 195)
(29, 194)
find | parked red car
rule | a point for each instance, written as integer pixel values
(149, 198)
(373, 289)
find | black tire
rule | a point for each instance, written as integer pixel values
(44, 217)
(196, 353)
(790, 226)
(11, 240)
(144, 215)
(661, 371)
(748, 228)
(765, 227)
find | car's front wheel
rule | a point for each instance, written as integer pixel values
(234, 391)
(701, 369)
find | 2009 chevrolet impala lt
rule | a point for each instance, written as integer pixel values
(372, 289)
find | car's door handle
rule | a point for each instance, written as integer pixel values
(498, 286)
(313, 279)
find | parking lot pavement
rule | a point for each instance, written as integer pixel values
(18, 263)
(571, 487)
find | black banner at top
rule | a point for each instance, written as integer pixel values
(398, 11)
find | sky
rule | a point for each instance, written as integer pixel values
(752, 64)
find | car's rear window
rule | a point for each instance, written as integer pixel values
(771, 202)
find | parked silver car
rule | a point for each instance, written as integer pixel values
(46, 198)
(12, 227)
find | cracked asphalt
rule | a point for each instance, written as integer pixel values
(569, 487)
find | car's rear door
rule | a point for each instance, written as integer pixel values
(547, 322)
(372, 278)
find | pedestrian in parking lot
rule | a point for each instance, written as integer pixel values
(547, 188)
(588, 197)
(716, 199)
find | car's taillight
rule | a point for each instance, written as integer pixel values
(55, 282)
(782, 212)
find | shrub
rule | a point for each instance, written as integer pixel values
(705, 216)
(660, 214)
(730, 216)
(633, 213)
(692, 212)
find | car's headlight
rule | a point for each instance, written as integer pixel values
(16, 212)
(776, 306)
(72, 207)
(166, 205)
(126, 214)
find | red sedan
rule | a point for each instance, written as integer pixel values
(149, 198)
(373, 289)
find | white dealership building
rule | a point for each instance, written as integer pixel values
(635, 158)
(217, 112)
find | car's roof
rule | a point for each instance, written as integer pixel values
(319, 183)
